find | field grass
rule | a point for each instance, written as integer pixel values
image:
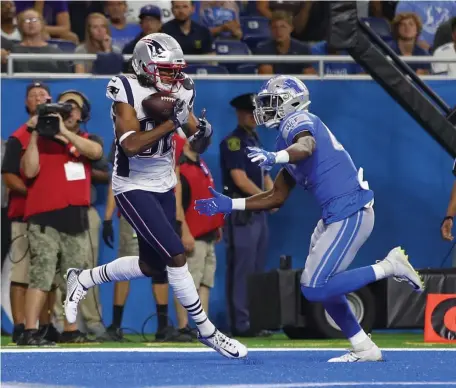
(383, 340)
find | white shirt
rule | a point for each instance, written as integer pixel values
(446, 51)
(15, 35)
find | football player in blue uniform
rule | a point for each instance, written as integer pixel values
(313, 158)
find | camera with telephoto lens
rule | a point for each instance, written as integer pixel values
(47, 124)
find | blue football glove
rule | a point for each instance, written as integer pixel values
(218, 204)
(266, 159)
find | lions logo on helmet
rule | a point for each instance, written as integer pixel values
(279, 97)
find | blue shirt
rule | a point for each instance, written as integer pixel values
(217, 16)
(432, 14)
(339, 68)
(121, 37)
(233, 156)
(329, 173)
(417, 51)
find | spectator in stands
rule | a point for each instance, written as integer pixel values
(432, 14)
(98, 40)
(446, 51)
(9, 28)
(134, 7)
(222, 19)
(443, 35)
(283, 44)
(194, 38)
(31, 26)
(406, 29)
(79, 11)
(382, 9)
(266, 8)
(150, 22)
(335, 68)
(121, 31)
(55, 16)
(6, 49)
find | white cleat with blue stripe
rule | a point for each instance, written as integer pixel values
(226, 346)
(371, 354)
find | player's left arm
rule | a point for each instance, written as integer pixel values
(303, 146)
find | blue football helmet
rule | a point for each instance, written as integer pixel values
(279, 97)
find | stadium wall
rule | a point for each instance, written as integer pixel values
(409, 172)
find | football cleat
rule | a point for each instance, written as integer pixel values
(370, 355)
(403, 270)
(226, 346)
(74, 294)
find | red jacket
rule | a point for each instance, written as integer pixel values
(16, 206)
(199, 179)
(63, 180)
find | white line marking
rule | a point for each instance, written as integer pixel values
(201, 350)
(316, 384)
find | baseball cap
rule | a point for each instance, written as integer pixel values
(243, 102)
(70, 96)
(150, 10)
(37, 84)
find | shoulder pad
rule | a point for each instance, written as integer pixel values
(188, 83)
(295, 120)
(119, 90)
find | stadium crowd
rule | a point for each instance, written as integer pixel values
(111, 29)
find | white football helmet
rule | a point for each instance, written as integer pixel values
(158, 60)
(278, 97)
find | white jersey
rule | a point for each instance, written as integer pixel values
(446, 51)
(153, 169)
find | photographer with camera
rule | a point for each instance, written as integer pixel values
(58, 163)
(36, 93)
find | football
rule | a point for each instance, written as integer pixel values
(159, 106)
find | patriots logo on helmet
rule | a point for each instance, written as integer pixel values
(156, 49)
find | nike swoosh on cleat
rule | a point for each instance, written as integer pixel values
(235, 355)
(71, 296)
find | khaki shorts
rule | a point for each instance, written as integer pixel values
(47, 245)
(128, 240)
(201, 263)
(20, 253)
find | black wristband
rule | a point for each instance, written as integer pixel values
(446, 218)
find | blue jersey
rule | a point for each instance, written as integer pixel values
(329, 173)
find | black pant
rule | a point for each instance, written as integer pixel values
(6, 234)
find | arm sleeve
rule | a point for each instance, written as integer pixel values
(185, 193)
(12, 157)
(296, 124)
(232, 154)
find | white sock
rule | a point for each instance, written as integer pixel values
(358, 339)
(383, 269)
(182, 283)
(124, 268)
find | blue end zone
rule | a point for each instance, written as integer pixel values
(162, 368)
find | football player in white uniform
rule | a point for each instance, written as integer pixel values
(143, 182)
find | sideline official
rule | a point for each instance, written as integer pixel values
(57, 206)
(245, 233)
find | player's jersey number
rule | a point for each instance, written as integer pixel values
(161, 148)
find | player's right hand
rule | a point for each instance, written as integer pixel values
(446, 228)
(218, 204)
(108, 233)
(181, 113)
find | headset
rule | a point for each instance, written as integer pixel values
(85, 111)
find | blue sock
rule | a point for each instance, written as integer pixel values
(339, 310)
(340, 284)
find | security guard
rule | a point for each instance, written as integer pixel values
(246, 233)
